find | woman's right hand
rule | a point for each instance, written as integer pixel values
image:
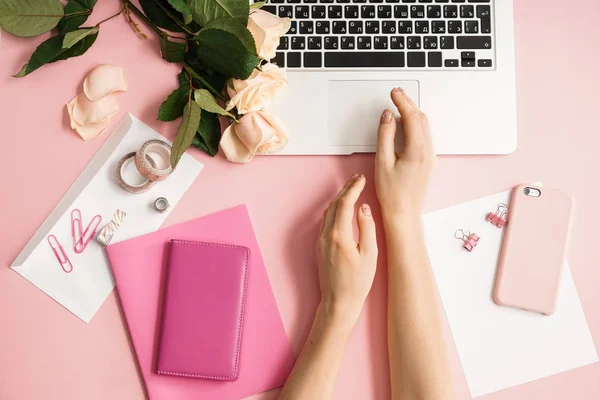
(401, 180)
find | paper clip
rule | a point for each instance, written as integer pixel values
(469, 239)
(82, 238)
(499, 217)
(62, 257)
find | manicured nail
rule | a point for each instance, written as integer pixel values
(354, 176)
(386, 117)
(366, 209)
(398, 90)
(360, 177)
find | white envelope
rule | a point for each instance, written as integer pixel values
(499, 347)
(96, 192)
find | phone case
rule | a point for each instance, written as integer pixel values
(534, 250)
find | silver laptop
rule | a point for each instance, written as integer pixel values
(454, 57)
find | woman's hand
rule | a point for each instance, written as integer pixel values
(401, 179)
(347, 268)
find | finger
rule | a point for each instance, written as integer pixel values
(345, 208)
(386, 136)
(367, 236)
(330, 212)
(410, 118)
(322, 222)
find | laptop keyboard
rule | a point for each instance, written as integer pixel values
(408, 34)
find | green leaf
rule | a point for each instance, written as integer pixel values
(207, 102)
(237, 27)
(71, 22)
(183, 8)
(209, 134)
(52, 50)
(187, 131)
(205, 11)
(183, 78)
(257, 5)
(74, 37)
(30, 18)
(156, 14)
(172, 51)
(224, 52)
(172, 108)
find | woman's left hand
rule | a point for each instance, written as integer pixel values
(346, 267)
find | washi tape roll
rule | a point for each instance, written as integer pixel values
(142, 160)
(141, 188)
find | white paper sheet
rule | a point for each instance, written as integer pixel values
(499, 347)
(96, 191)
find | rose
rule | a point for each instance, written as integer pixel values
(266, 29)
(256, 132)
(256, 91)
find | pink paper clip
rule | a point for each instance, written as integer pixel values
(499, 217)
(60, 254)
(82, 238)
(469, 240)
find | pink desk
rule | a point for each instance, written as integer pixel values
(47, 353)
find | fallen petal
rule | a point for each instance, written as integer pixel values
(104, 80)
(90, 112)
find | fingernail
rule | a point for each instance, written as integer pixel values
(386, 117)
(399, 90)
(366, 209)
(354, 176)
(360, 177)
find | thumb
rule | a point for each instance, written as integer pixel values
(367, 237)
(385, 138)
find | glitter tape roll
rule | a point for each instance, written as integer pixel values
(147, 169)
(144, 187)
(106, 234)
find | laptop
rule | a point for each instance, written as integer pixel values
(455, 58)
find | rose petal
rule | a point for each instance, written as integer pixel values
(104, 80)
(266, 29)
(240, 140)
(280, 138)
(86, 111)
(88, 131)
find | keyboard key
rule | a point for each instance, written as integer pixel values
(283, 43)
(307, 27)
(471, 26)
(319, 12)
(272, 1)
(351, 12)
(286, 11)
(380, 42)
(388, 27)
(474, 42)
(447, 42)
(331, 42)
(421, 26)
(294, 1)
(438, 27)
(271, 9)
(413, 42)
(298, 43)
(308, 1)
(312, 60)
(484, 13)
(417, 11)
(365, 59)
(467, 11)
(359, 1)
(334, 12)
(340, 27)
(430, 42)
(400, 11)
(434, 59)
(355, 27)
(468, 63)
(323, 27)
(405, 27)
(416, 59)
(434, 11)
(484, 63)
(279, 59)
(322, 1)
(294, 59)
(314, 43)
(347, 42)
(302, 12)
(367, 12)
(397, 42)
(451, 63)
(384, 12)
(342, 1)
(371, 26)
(467, 55)
(364, 42)
(454, 26)
(293, 28)
(450, 11)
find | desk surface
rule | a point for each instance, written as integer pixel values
(46, 352)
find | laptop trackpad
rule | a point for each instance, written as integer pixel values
(355, 107)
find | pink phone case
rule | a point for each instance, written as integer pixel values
(534, 250)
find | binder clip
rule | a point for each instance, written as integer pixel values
(499, 217)
(469, 239)
(82, 238)
(61, 255)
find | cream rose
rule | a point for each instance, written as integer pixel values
(266, 29)
(255, 133)
(256, 91)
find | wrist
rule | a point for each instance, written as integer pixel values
(403, 221)
(342, 314)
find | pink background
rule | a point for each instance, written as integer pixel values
(46, 352)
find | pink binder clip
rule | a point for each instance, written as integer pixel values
(60, 254)
(82, 238)
(499, 217)
(469, 240)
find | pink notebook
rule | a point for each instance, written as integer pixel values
(203, 310)
(138, 266)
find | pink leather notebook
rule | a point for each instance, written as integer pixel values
(138, 266)
(203, 310)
